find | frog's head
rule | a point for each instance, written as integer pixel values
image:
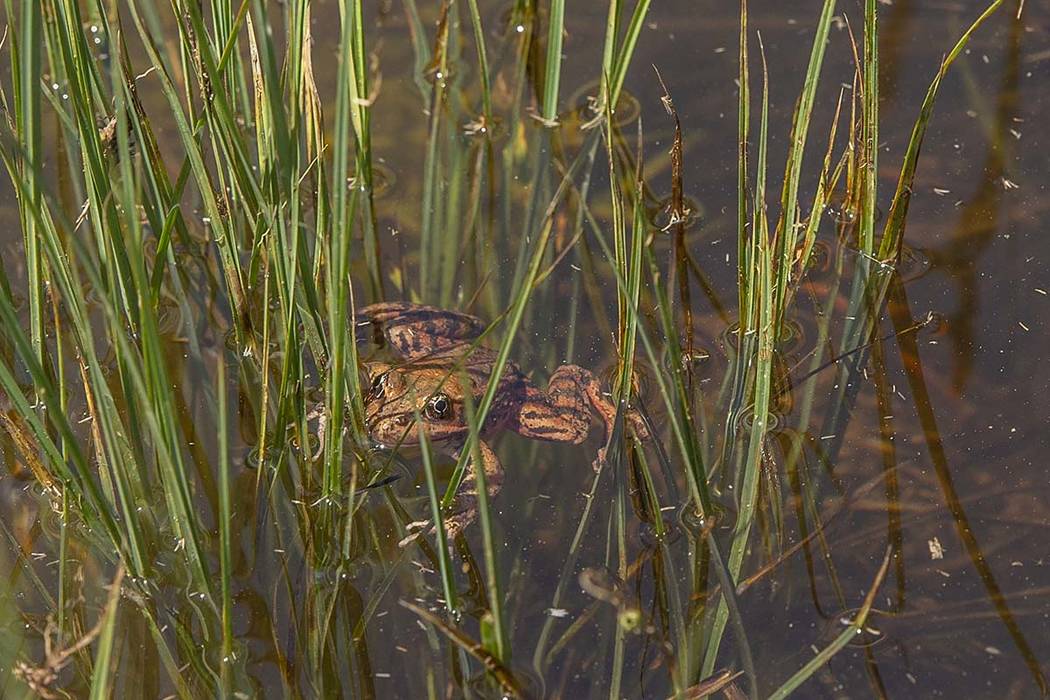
(397, 395)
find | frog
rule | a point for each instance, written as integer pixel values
(440, 368)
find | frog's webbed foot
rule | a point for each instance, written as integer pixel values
(415, 331)
(321, 416)
(640, 430)
(464, 509)
(606, 410)
(637, 424)
(454, 525)
(599, 459)
(415, 530)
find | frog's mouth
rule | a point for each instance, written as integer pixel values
(390, 432)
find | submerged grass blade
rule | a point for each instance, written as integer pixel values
(938, 454)
(508, 682)
(855, 627)
(893, 234)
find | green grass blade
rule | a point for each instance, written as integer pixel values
(870, 128)
(552, 77)
(27, 65)
(483, 63)
(102, 678)
(626, 53)
(500, 648)
(750, 470)
(225, 536)
(448, 582)
(787, 237)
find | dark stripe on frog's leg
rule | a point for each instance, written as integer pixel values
(416, 330)
(464, 508)
(564, 413)
(605, 408)
(540, 419)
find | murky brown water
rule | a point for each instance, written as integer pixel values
(944, 458)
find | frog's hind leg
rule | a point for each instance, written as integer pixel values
(464, 508)
(563, 414)
(415, 331)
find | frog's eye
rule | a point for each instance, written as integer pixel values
(439, 406)
(378, 386)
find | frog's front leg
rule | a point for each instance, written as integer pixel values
(563, 413)
(414, 330)
(464, 507)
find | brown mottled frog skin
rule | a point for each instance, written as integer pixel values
(440, 370)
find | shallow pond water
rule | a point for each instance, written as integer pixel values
(937, 456)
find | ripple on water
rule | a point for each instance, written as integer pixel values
(641, 378)
(914, 263)
(584, 103)
(383, 180)
(507, 23)
(662, 216)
